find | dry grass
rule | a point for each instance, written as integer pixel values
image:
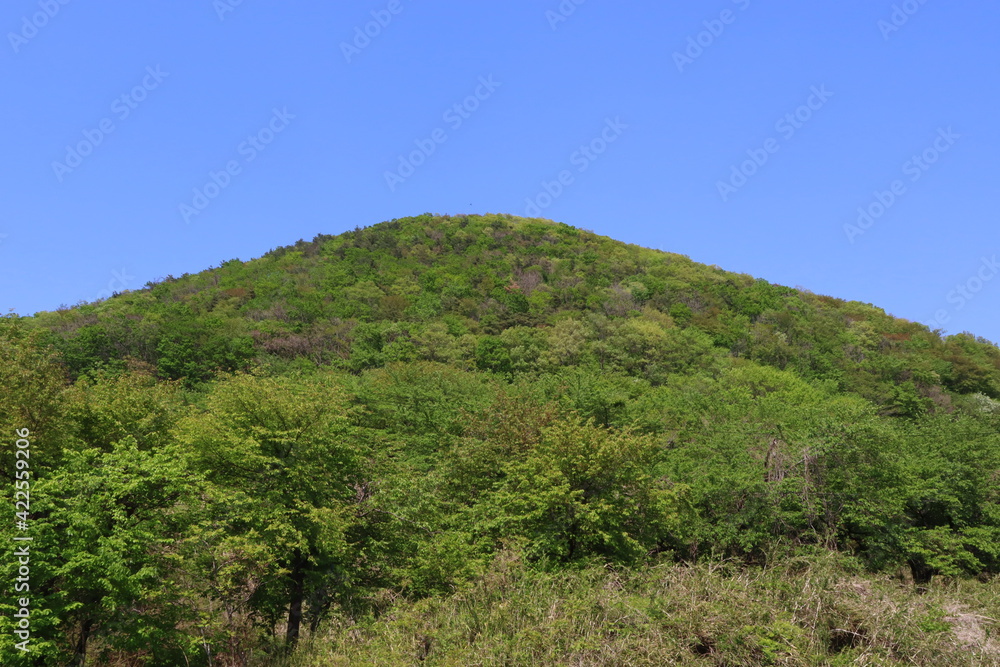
(816, 610)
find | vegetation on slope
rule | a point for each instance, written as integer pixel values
(348, 437)
(512, 295)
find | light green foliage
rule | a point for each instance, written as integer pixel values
(581, 491)
(566, 341)
(32, 388)
(421, 397)
(108, 529)
(283, 447)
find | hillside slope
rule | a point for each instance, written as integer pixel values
(506, 294)
(491, 440)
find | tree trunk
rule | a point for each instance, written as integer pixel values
(921, 571)
(298, 577)
(318, 613)
(81, 645)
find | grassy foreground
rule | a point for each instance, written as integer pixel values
(815, 610)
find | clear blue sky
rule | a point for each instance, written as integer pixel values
(207, 85)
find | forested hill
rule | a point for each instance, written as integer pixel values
(485, 440)
(512, 295)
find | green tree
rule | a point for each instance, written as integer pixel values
(286, 443)
(585, 491)
(32, 395)
(493, 355)
(105, 575)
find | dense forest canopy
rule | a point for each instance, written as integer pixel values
(510, 295)
(228, 461)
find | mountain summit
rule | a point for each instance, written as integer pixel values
(506, 294)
